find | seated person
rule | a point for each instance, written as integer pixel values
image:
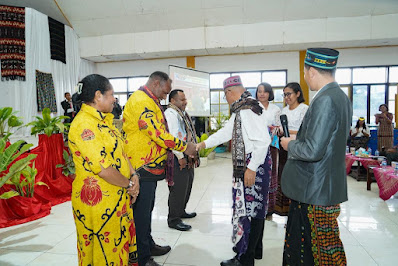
(360, 134)
(391, 154)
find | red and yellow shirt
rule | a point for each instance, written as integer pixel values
(144, 127)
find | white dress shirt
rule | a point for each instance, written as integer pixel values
(360, 134)
(176, 128)
(255, 136)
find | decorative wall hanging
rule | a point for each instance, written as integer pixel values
(45, 92)
(57, 40)
(12, 43)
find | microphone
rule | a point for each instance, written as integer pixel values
(284, 126)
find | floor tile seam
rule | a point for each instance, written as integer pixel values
(30, 251)
(175, 244)
(47, 251)
(207, 187)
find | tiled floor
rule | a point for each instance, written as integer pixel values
(369, 228)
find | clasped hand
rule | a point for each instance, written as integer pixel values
(135, 189)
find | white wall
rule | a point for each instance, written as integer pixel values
(250, 62)
(138, 67)
(368, 56)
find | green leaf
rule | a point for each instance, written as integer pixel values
(14, 121)
(7, 156)
(42, 184)
(17, 167)
(9, 194)
(6, 113)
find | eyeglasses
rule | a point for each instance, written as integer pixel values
(284, 95)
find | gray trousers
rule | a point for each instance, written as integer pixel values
(180, 192)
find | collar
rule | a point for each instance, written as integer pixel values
(151, 93)
(108, 117)
(324, 88)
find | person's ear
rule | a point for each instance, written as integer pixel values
(97, 95)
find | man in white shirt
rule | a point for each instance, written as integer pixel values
(248, 130)
(181, 127)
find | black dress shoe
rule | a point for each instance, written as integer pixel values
(188, 215)
(231, 262)
(180, 226)
(157, 250)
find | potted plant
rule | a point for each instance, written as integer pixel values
(8, 120)
(17, 172)
(51, 140)
(218, 121)
(68, 168)
(204, 153)
(48, 125)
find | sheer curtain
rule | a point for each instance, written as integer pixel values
(21, 96)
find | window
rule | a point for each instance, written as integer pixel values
(368, 87)
(124, 87)
(369, 75)
(219, 105)
(119, 85)
(343, 75)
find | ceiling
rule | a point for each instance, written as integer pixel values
(105, 17)
(90, 18)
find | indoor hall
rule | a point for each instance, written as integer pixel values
(211, 41)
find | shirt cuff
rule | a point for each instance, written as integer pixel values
(178, 154)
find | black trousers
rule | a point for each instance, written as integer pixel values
(255, 238)
(180, 192)
(143, 208)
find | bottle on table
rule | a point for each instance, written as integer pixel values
(377, 153)
(384, 164)
(370, 151)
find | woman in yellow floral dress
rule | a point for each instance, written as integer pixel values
(105, 185)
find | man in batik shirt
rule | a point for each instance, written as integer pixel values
(149, 146)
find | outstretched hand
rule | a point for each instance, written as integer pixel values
(200, 146)
(191, 149)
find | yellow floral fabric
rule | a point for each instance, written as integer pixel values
(145, 131)
(102, 212)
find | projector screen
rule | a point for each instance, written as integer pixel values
(196, 86)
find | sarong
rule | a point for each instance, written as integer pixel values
(253, 204)
(313, 236)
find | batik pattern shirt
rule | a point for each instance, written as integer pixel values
(102, 211)
(145, 131)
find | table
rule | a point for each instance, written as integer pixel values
(370, 176)
(387, 181)
(364, 161)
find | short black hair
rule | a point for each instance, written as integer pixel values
(91, 84)
(267, 88)
(66, 93)
(330, 72)
(159, 75)
(296, 88)
(174, 93)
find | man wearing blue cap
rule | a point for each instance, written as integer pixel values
(314, 176)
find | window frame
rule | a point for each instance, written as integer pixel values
(387, 86)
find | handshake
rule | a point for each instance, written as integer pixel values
(192, 148)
